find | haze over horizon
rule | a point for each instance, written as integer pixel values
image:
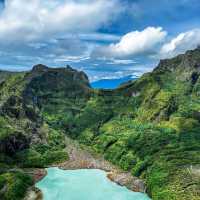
(106, 39)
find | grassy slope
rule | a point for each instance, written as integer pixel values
(151, 127)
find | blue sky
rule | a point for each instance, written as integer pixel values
(106, 39)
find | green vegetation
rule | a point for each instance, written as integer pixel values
(152, 128)
(14, 184)
(149, 127)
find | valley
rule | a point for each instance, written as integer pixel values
(148, 128)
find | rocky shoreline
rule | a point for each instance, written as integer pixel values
(81, 158)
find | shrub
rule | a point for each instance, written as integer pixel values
(140, 166)
(55, 157)
(17, 184)
(127, 161)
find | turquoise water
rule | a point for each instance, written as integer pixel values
(84, 184)
(111, 83)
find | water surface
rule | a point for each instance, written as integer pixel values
(84, 184)
(111, 83)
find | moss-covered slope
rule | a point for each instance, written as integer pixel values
(151, 127)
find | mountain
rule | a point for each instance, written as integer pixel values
(111, 83)
(149, 126)
(26, 138)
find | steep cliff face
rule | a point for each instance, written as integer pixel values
(58, 93)
(159, 93)
(188, 62)
(47, 84)
(25, 96)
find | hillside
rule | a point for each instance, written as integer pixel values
(149, 126)
(26, 139)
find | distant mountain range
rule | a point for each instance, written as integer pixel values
(111, 83)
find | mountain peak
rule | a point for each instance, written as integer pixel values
(39, 67)
(189, 61)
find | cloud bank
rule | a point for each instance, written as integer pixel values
(53, 32)
(152, 42)
(36, 19)
(134, 43)
(181, 43)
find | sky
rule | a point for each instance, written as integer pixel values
(106, 39)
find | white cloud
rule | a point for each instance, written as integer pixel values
(134, 43)
(98, 37)
(53, 31)
(181, 43)
(74, 59)
(121, 62)
(33, 19)
(134, 71)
